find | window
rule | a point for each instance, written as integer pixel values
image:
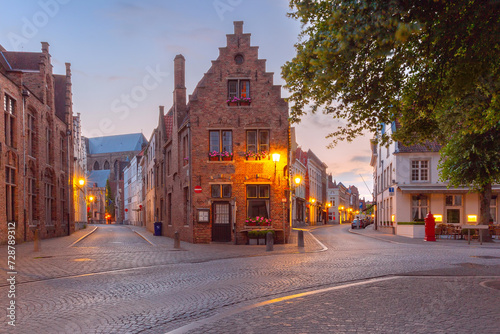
(96, 165)
(186, 206)
(419, 207)
(63, 154)
(258, 200)
(454, 200)
(10, 120)
(238, 88)
(420, 170)
(258, 141)
(106, 165)
(169, 209)
(31, 200)
(221, 190)
(220, 141)
(31, 135)
(49, 204)
(10, 191)
(185, 150)
(48, 145)
(169, 161)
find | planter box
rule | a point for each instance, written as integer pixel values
(411, 231)
(214, 158)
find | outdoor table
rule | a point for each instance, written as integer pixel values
(475, 227)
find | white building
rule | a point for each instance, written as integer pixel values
(132, 190)
(407, 188)
(80, 172)
(148, 181)
(298, 172)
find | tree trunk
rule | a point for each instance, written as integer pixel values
(484, 210)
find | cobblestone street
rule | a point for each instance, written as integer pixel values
(122, 279)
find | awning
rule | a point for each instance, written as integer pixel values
(438, 189)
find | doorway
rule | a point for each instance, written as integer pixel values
(221, 222)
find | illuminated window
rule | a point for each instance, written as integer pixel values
(10, 120)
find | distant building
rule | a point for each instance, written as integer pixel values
(132, 188)
(316, 170)
(80, 172)
(147, 164)
(36, 146)
(96, 196)
(113, 153)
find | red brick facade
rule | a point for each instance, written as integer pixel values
(36, 146)
(231, 190)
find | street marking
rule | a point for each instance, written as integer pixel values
(324, 248)
(220, 316)
(83, 237)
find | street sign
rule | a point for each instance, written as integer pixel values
(197, 189)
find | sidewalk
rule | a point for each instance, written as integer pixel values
(370, 232)
(311, 244)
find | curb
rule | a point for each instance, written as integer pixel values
(374, 237)
(139, 234)
(83, 237)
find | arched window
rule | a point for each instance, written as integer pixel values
(106, 165)
(96, 166)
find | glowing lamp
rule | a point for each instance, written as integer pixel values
(81, 182)
(297, 180)
(438, 218)
(276, 157)
(393, 218)
(91, 198)
(472, 218)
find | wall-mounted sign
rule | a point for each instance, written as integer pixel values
(197, 189)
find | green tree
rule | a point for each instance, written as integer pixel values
(433, 65)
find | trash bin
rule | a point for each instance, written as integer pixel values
(158, 228)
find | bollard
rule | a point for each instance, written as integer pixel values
(177, 240)
(301, 238)
(269, 242)
(37, 241)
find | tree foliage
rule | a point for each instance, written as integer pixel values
(422, 62)
(432, 65)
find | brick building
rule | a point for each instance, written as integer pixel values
(206, 198)
(36, 146)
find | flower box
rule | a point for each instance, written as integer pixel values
(244, 103)
(227, 158)
(216, 158)
(232, 104)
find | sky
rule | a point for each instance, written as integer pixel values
(122, 51)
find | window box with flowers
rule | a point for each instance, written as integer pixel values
(245, 101)
(226, 156)
(214, 156)
(233, 101)
(258, 221)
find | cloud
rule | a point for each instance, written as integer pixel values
(360, 158)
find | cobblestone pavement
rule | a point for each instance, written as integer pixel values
(115, 281)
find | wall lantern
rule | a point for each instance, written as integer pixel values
(276, 158)
(81, 182)
(297, 180)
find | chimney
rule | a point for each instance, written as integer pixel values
(238, 27)
(45, 47)
(179, 68)
(162, 110)
(180, 89)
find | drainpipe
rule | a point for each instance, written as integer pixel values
(25, 94)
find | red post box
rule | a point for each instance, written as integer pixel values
(430, 227)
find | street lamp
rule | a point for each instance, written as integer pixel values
(276, 158)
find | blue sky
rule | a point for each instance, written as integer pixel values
(121, 54)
